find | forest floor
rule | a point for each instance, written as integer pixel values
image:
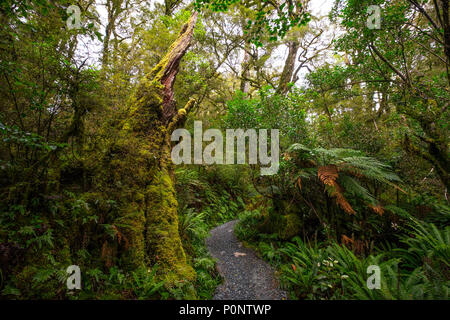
(246, 276)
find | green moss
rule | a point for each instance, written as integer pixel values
(137, 174)
(291, 226)
(162, 229)
(134, 219)
(285, 226)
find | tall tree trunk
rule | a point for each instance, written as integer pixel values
(143, 172)
(245, 65)
(288, 69)
(105, 51)
(114, 8)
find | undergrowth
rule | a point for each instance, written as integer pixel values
(418, 268)
(207, 201)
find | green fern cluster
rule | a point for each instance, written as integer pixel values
(418, 271)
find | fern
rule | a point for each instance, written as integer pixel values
(341, 171)
(426, 241)
(303, 272)
(190, 223)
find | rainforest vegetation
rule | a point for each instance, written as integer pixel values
(90, 96)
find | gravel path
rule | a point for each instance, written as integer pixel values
(247, 277)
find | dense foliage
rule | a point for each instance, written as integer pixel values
(86, 116)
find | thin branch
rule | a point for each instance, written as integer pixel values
(375, 50)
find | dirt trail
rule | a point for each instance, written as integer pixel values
(247, 277)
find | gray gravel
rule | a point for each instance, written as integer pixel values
(246, 276)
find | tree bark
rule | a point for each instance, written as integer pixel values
(288, 69)
(245, 68)
(114, 8)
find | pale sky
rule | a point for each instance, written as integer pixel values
(320, 7)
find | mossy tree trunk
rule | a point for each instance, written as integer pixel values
(143, 172)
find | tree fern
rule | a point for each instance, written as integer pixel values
(342, 172)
